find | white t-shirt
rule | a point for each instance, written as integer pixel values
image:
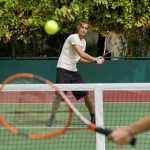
(69, 57)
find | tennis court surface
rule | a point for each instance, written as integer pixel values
(28, 107)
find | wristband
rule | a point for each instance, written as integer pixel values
(95, 61)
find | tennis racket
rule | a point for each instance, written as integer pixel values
(37, 109)
(112, 43)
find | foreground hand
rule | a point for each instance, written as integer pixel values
(121, 136)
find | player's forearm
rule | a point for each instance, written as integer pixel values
(87, 57)
(84, 61)
(140, 126)
(83, 55)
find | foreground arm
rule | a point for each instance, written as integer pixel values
(123, 135)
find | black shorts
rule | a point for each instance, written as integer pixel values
(65, 76)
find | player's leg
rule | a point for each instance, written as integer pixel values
(77, 78)
(89, 104)
(61, 77)
(55, 106)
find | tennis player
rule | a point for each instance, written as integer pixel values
(72, 52)
(123, 135)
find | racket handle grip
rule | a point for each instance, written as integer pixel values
(133, 142)
(106, 132)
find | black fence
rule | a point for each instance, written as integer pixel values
(50, 47)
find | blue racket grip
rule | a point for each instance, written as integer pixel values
(106, 132)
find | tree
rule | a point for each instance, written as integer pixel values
(24, 20)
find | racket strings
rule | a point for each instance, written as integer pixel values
(113, 42)
(29, 110)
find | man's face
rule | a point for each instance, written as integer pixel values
(83, 29)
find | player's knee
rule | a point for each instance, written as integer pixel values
(58, 98)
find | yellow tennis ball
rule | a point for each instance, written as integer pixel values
(51, 27)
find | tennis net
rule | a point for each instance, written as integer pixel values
(115, 105)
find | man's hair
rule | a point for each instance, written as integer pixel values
(82, 22)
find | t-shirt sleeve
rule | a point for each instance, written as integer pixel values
(74, 40)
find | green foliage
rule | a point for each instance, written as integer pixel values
(24, 19)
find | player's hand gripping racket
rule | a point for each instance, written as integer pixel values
(112, 43)
(32, 105)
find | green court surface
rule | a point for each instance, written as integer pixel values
(124, 113)
(115, 114)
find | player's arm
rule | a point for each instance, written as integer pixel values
(140, 126)
(86, 58)
(124, 135)
(84, 61)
